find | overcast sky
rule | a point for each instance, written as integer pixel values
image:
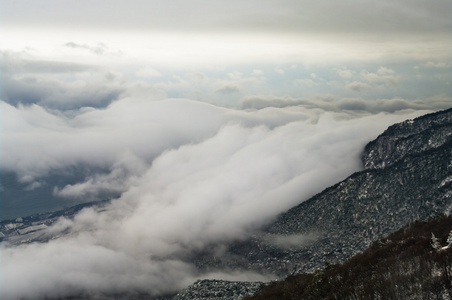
(198, 114)
(265, 16)
(227, 51)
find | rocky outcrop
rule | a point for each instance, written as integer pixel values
(409, 137)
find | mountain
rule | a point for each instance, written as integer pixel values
(407, 176)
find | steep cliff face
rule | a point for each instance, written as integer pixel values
(407, 177)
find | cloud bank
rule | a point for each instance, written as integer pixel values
(190, 174)
(358, 105)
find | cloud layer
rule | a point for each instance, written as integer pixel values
(191, 175)
(128, 130)
(358, 105)
(363, 17)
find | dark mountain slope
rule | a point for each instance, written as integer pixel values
(347, 217)
(405, 265)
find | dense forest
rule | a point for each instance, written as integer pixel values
(412, 263)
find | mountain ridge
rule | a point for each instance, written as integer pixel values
(402, 136)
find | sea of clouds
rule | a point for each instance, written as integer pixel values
(189, 175)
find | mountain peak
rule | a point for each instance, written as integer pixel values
(408, 137)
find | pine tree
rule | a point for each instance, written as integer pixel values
(435, 243)
(449, 239)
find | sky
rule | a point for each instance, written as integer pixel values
(205, 119)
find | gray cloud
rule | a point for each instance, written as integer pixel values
(382, 76)
(99, 48)
(67, 264)
(131, 130)
(365, 106)
(57, 84)
(118, 178)
(13, 63)
(358, 86)
(228, 89)
(395, 104)
(366, 17)
(58, 94)
(345, 73)
(260, 102)
(65, 86)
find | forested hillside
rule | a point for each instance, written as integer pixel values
(413, 263)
